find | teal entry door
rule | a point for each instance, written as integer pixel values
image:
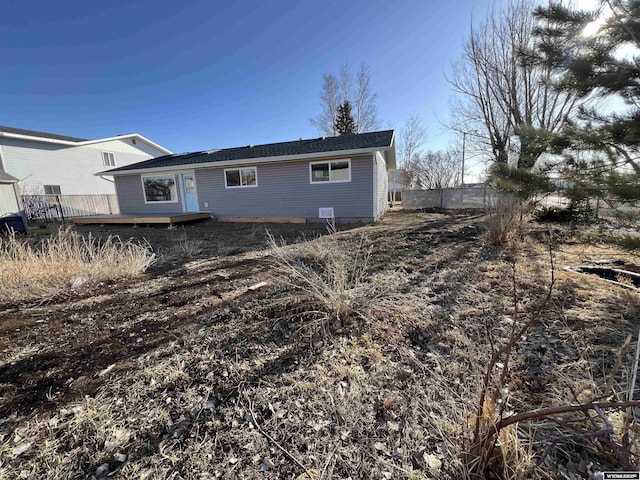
(189, 189)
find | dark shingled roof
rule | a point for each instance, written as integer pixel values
(33, 133)
(6, 178)
(370, 140)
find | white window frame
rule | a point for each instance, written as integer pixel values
(156, 202)
(255, 169)
(44, 187)
(113, 156)
(335, 160)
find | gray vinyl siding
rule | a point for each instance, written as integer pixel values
(284, 190)
(382, 185)
(131, 197)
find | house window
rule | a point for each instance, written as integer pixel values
(159, 188)
(241, 177)
(52, 190)
(133, 141)
(108, 159)
(335, 171)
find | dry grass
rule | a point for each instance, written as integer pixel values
(391, 396)
(504, 221)
(335, 274)
(60, 261)
(189, 247)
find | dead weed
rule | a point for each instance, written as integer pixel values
(64, 260)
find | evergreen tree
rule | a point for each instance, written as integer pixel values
(588, 51)
(345, 124)
(354, 86)
(589, 64)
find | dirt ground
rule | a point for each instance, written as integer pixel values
(207, 239)
(210, 365)
(91, 328)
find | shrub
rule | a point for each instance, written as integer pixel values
(556, 214)
(630, 242)
(31, 270)
(331, 273)
(503, 222)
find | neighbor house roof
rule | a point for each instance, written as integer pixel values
(323, 146)
(32, 135)
(6, 178)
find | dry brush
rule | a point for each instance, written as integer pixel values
(30, 270)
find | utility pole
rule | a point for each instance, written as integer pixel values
(464, 142)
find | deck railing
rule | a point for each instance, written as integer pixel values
(61, 207)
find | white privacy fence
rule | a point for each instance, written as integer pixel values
(450, 198)
(60, 207)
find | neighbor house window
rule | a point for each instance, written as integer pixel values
(335, 171)
(159, 188)
(241, 177)
(108, 159)
(52, 190)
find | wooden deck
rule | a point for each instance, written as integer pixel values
(143, 218)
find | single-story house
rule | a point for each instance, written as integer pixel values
(48, 163)
(11, 212)
(342, 177)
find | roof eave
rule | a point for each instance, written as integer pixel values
(86, 142)
(32, 138)
(391, 154)
(245, 161)
(130, 135)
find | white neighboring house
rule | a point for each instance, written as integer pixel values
(47, 163)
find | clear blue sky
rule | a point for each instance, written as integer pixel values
(200, 75)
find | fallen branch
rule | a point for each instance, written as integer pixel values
(491, 435)
(550, 411)
(632, 387)
(272, 440)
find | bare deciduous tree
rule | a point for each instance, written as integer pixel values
(433, 170)
(412, 138)
(364, 102)
(505, 94)
(330, 99)
(357, 90)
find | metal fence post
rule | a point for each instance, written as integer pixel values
(60, 208)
